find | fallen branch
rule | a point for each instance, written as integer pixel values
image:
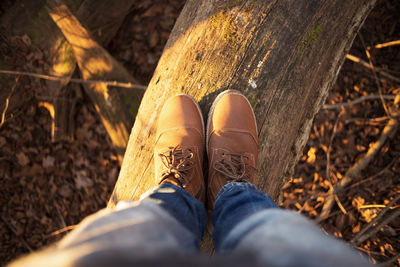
(356, 168)
(355, 240)
(368, 252)
(101, 18)
(387, 44)
(373, 176)
(372, 67)
(74, 80)
(64, 229)
(64, 225)
(328, 152)
(328, 160)
(376, 229)
(377, 121)
(372, 206)
(11, 227)
(3, 115)
(117, 108)
(357, 101)
(390, 261)
(367, 65)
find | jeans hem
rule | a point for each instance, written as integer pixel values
(234, 186)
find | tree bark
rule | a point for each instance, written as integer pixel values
(283, 55)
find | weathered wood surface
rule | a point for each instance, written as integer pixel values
(283, 55)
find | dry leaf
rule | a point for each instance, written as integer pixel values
(25, 38)
(153, 40)
(311, 155)
(65, 191)
(48, 162)
(3, 141)
(81, 180)
(112, 175)
(22, 159)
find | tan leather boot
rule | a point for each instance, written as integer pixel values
(179, 147)
(232, 142)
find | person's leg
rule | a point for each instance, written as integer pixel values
(168, 220)
(246, 219)
(234, 203)
(165, 217)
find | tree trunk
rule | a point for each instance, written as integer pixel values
(283, 55)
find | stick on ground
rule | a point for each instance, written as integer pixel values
(360, 235)
(355, 170)
(74, 80)
(367, 65)
(376, 229)
(357, 101)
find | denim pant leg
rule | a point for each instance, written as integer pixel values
(167, 220)
(246, 219)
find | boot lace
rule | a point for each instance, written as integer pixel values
(177, 163)
(234, 169)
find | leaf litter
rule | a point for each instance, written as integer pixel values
(47, 188)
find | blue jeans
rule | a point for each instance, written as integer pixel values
(167, 225)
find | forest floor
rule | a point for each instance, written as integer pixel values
(48, 187)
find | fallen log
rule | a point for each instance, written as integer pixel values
(94, 62)
(102, 20)
(283, 55)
